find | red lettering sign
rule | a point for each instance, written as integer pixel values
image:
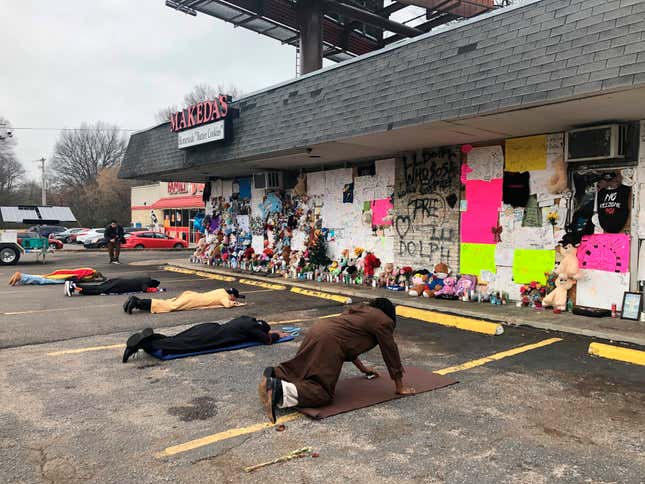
(200, 113)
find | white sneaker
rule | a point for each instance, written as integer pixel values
(68, 288)
(116, 262)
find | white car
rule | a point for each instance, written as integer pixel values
(91, 235)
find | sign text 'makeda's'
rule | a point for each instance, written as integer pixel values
(200, 113)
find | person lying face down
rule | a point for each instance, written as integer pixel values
(309, 379)
(118, 285)
(203, 337)
(57, 277)
(187, 300)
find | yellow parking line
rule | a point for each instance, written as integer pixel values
(497, 356)
(217, 277)
(228, 434)
(323, 295)
(34, 311)
(460, 322)
(611, 352)
(178, 269)
(83, 350)
(250, 282)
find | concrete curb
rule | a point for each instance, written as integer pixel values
(420, 303)
(611, 352)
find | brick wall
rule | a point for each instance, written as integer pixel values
(426, 207)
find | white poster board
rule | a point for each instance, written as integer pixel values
(601, 289)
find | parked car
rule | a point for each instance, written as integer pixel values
(45, 230)
(90, 234)
(69, 235)
(152, 240)
(54, 242)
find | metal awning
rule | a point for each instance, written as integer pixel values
(36, 214)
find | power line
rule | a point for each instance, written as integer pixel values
(73, 129)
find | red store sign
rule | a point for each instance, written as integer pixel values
(200, 113)
(175, 188)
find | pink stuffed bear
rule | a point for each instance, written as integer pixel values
(448, 289)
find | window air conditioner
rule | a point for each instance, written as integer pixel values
(268, 180)
(595, 143)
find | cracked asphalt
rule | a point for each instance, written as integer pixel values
(552, 414)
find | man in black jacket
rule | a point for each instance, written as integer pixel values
(203, 337)
(118, 285)
(114, 237)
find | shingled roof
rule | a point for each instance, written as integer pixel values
(536, 53)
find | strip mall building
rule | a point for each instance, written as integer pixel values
(474, 147)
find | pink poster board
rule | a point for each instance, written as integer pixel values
(604, 252)
(482, 211)
(380, 210)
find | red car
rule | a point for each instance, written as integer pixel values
(152, 240)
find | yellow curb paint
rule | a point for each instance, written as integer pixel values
(611, 352)
(228, 434)
(217, 277)
(84, 350)
(323, 295)
(460, 322)
(250, 282)
(179, 269)
(497, 356)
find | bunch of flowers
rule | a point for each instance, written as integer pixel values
(532, 294)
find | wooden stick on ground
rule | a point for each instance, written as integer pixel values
(292, 455)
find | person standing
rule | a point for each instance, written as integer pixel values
(114, 236)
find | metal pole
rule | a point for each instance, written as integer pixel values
(311, 42)
(44, 181)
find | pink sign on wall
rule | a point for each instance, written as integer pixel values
(380, 210)
(483, 200)
(604, 252)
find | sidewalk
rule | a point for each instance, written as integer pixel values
(613, 329)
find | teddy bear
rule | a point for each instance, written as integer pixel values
(558, 297)
(419, 285)
(386, 277)
(569, 263)
(370, 262)
(447, 291)
(465, 284)
(440, 272)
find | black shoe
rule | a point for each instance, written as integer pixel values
(125, 305)
(134, 343)
(130, 304)
(270, 393)
(127, 353)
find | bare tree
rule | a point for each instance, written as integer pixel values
(200, 92)
(11, 170)
(81, 153)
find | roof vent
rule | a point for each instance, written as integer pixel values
(467, 48)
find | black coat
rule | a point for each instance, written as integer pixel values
(114, 233)
(208, 336)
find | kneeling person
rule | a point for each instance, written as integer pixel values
(203, 337)
(309, 379)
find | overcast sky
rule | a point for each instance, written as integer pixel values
(73, 61)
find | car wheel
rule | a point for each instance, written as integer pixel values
(178, 246)
(139, 246)
(67, 240)
(9, 256)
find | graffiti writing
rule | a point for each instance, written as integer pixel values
(429, 172)
(421, 249)
(429, 209)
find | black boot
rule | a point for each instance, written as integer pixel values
(130, 304)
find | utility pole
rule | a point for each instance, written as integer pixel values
(44, 180)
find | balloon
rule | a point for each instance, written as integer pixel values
(466, 148)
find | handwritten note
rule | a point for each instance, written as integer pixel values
(486, 163)
(475, 258)
(526, 154)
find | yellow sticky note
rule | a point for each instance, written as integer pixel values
(530, 265)
(526, 154)
(474, 258)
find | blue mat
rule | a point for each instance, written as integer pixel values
(173, 356)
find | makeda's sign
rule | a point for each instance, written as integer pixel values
(204, 122)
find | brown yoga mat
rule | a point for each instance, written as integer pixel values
(359, 392)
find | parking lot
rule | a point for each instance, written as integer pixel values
(71, 411)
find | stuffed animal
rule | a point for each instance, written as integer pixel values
(558, 297)
(558, 182)
(569, 263)
(448, 289)
(386, 277)
(465, 284)
(371, 262)
(419, 285)
(441, 271)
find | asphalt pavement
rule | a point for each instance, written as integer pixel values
(530, 406)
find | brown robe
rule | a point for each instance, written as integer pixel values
(329, 343)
